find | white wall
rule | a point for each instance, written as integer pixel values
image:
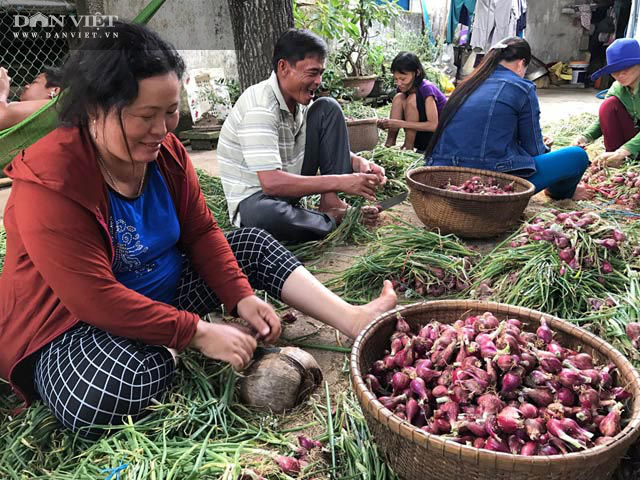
(199, 29)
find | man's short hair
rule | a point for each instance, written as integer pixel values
(296, 44)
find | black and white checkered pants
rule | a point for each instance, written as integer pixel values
(90, 378)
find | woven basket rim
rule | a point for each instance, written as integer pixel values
(361, 77)
(454, 450)
(477, 197)
(361, 121)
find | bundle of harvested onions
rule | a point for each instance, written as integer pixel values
(418, 262)
(480, 186)
(558, 262)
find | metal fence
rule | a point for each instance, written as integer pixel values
(23, 52)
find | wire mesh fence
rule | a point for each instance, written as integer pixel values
(25, 51)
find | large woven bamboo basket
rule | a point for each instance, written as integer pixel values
(415, 454)
(468, 215)
(363, 134)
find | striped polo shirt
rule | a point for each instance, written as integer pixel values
(260, 134)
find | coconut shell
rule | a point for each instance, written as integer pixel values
(279, 381)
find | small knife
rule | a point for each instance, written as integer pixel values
(392, 201)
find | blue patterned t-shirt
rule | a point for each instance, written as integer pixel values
(145, 233)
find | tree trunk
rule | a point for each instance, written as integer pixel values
(257, 25)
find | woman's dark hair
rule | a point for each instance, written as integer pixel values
(53, 76)
(103, 73)
(407, 62)
(507, 50)
(296, 44)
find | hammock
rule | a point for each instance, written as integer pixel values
(45, 120)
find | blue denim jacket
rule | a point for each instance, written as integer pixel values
(496, 128)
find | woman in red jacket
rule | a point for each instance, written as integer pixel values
(113, 255)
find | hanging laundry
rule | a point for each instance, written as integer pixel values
(465, 18)
(520, 12)
(493, 21)
(455, 12)
(585, 16)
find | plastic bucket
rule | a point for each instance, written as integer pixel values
(578, 72)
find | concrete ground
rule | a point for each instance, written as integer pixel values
(555, 104)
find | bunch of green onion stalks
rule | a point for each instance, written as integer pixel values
(213, 194)
(491, 384)
(396, 163)
(418, 262)
(615, 319)
(557, 262)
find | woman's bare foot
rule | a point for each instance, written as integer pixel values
(582, 193)
(364, 314)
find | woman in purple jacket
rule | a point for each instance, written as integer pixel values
(415, 107)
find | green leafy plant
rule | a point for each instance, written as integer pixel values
(358, 111)
(349, 25)
(234, 89)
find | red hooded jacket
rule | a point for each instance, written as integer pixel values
(57, 269)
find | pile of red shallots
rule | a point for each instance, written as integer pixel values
(480, 186)
(633, 332)
(621, 184)
(490, 384)
(564, 231)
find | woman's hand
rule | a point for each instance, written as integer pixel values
(224, 342)
(580, 141)
(548, 141)
(387, 123)
(613, 159)
(261, 316)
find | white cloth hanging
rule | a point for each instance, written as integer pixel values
(493, 21)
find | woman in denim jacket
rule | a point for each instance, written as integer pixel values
(492, 122)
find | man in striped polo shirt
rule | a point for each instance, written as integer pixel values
(274, 142)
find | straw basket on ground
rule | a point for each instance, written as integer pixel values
(468, 215)
(363, 134)
(415, 454)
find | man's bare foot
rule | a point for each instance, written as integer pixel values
(364, 314)
(582, 193)
(330, 201)
(337, 213)
(333, 206)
